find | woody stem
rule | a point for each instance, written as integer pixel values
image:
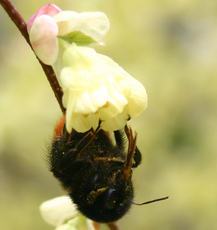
(22, 27)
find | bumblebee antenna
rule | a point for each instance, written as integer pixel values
(150, 201)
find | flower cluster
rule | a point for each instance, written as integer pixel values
(96, 89)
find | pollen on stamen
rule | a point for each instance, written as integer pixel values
(106, 105)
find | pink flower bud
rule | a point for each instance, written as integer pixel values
(48, 9)
(43, 37)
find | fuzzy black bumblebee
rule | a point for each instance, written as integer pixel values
(96, 169)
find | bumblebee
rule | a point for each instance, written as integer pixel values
(95, 168)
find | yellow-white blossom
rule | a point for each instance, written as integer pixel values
(98, 89)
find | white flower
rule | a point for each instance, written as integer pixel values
(78, 223)
(56, 211)
(98, 89)
(61, 213)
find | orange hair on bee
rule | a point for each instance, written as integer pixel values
(59, 127)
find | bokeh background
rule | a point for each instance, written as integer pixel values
(171, 47)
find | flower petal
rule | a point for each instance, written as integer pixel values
(115, 123)
(47, 9)
(96, 87)
(133, 90)
(92, 24)
(137, 100)
(78, 223)
(91, 101)
(81, 123)
(56, 211)
(43, 37)
(87, 100)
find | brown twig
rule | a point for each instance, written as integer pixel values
(21, 25)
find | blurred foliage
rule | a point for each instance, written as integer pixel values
(171, 47)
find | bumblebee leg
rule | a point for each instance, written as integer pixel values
(85, 141)
(137, 158)
(127, 170)
(94, 194)
(137, 155)
(114, 226)
(115, 163)
(119, 138)
(62, 156)
(109, 159)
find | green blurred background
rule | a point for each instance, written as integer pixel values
(171, 47)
